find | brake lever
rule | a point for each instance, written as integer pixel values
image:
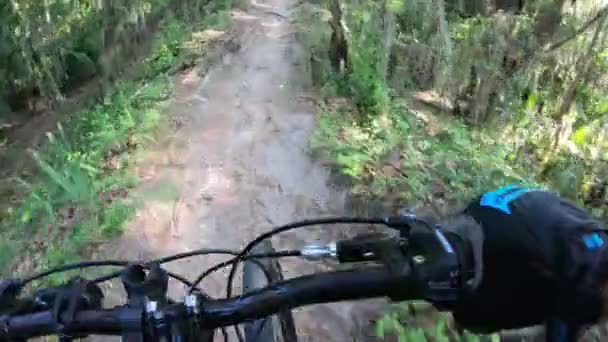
(434, 260)
(427, 253)
(367, 247)
(436, 266)
(10, 289)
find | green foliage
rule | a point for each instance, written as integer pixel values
(471, 103)
(494, 71)
(79, 196)
(413, 22)
(51, 46)
(168, 45)
(113, 217)
(365, 83)
(448, 165)
(433, 326)
(390, 324)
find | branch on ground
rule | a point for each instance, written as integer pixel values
(282, 16)
(578, 32)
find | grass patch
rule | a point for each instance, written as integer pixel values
(79, 197)
(412, 156)
(405, 324)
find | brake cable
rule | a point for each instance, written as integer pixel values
(300, 224)
(89, 264)
(252, 258)
(69, 267)
(121, 263)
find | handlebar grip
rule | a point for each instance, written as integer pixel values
(100, 322)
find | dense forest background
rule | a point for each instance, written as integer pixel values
(428, 103)
(50, 47)
(516, 90)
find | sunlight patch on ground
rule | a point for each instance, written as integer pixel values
(239, 15)
(256, 4)
(191, 79)
(219, 186)
(273, 23)
(207, 35)
(201, 40)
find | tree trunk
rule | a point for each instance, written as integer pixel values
(338, 50)
(442, 71)
(389, 37)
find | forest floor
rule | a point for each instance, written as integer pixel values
(236, 163)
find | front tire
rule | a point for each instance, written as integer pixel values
(257, 274)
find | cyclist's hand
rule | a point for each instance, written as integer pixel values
(488, 304)
(537, 264)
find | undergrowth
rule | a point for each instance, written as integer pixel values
(406, 325)
(414, 156)
(414, 159)
(411, 159)
(79, 197)
(399, 151)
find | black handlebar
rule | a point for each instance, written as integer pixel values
(101, 322)
(438, 277)
(308, 290)
(211, 314)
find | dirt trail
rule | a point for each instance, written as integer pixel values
(238, 165)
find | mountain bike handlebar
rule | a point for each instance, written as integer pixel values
(212, 314)
(413, 266)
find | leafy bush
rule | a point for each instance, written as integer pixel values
(437, 161)
(79, 197)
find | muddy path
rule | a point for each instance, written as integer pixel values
(237, 164)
